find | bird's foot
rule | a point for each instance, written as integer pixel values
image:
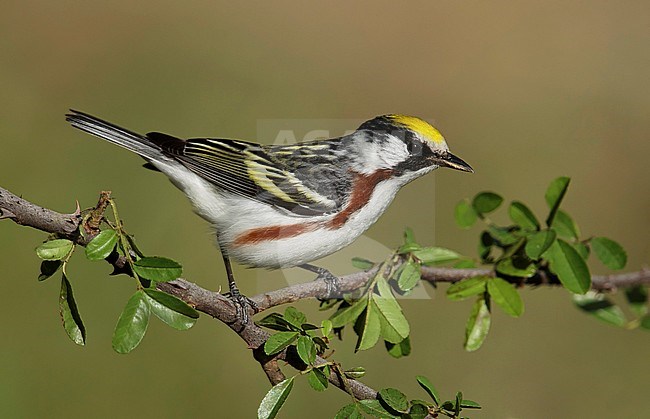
(333, 287)
(243, 305)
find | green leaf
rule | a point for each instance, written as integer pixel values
(569, 266)
(564, 225)
(582, 249)
(101, 245)
(395, 399)
(538, 243)
(467, 287)
(132, 324)
(49, 268)
(317, 379)
(348, 314)
(172, 302)
(326, 327)
(355, 373)
(398, 350)
(610, 253)
(368, 328)
(459, 399)
(361, 263)
(306, 349)
(277, 342)
(295, 317)
(465, 214)
(170, 317)
(158, 269)
(485, 245)
(637, 298)
(274, 399)
(506, 296)
(519, 267)
(469, 404)
(521, 215)
(418, 410)
(478, 325)
(464, 264)
(502, 235)
(554, 194)
(72, 323)
(601, 308)
(409, 242)
(432, 255)
(275, 321)
(409, 275)
(375, 409)
(54, 249)
(349, 411)
(429, 388)
(394, 326)
(485, 202)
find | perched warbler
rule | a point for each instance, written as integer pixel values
(277, 206)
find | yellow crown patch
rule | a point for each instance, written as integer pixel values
(420, 126)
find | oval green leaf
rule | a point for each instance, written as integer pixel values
(348, 314)
(398, 350)
(306, 349)
(158, 269)
(485, 202)
(569, 266)
(355, 373)
(478, 325)
(277, 342)
(132, 324)
(172, 302)
(506, 296)
(349, 411)
(394, 326)
(429, 388)
(274, 399)
(375, 409)
(395, 399)
(317, 379)
(522, 268)
(538, 243)
(564, 225)
(554, 194)
(295, 317)
(101, 245)
(361, 263)
(465, 214)
(72, 323)
(609, 252)
(601, 308)
(521, 215)
(467, 287)
(368, 328)
(433, 255)
(168, 316)
(54, 249)
(409, 275)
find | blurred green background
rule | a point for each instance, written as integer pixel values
(524, 91)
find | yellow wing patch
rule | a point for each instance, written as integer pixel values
(420, 126)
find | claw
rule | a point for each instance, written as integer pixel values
(331, 280)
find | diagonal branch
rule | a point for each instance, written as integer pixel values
(216, 305)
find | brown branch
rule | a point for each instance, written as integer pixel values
(212, 303)
(216, 305)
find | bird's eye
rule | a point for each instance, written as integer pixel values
(414, 148)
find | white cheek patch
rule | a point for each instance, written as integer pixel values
(385, 154)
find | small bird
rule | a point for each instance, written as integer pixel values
(278, 206)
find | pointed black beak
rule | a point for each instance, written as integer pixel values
(453, 162)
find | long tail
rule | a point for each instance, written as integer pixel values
(124, 138)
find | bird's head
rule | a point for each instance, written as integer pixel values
(405, 144)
